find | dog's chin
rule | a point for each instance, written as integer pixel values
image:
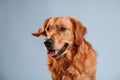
(57, 53)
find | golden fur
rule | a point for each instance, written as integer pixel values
(78, 61)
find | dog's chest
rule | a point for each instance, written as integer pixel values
(64, 70)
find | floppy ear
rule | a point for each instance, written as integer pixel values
(41, 31)
(79, 31)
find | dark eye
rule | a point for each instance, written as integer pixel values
(48, 29)
(62, 29)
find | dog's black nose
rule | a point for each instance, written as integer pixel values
(48, 43)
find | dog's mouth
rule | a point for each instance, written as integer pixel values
(56, 53)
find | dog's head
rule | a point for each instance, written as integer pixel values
(61, 33)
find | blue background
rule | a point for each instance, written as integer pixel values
(23, 57)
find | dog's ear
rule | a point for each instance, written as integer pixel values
(79, 31)
(41, 31)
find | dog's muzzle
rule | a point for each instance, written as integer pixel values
(54, 53)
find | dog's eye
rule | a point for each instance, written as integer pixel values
(62, 29)
(48, 29)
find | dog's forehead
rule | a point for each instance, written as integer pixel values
(60, 21)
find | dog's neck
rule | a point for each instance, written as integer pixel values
(58, 67)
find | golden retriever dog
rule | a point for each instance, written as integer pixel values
(70, 56)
